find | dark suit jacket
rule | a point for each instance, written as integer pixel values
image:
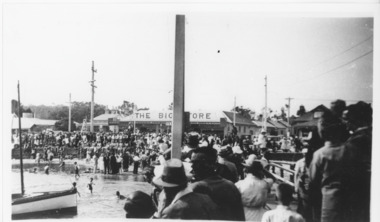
(191, 206)
(225, 194)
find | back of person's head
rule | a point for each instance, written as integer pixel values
(193, 139)
(337, 107)
(256, 169)
(359, 114)
(330, 126)
(208, 155)
(285, 193)
(139, 205)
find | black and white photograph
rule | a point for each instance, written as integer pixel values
(233, 111)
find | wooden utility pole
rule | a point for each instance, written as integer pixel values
(92, 97)
(234, 110)
(179, 87)
(70, 112)
(20, 139)
(266, 105)
(289, 111)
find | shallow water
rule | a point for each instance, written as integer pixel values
(102, 203)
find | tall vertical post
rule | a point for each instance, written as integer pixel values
(179, 87)
(20, 139)
(70, 112)
(234, 110)
(288, 112)
(92, 97)
(266, 105)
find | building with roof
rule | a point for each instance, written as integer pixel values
(244, 125)
(302, 125)
(32, 125)
(280, 128)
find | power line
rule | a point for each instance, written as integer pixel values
(333, 57)
(347, 100)
(354, 46)
(336, 68)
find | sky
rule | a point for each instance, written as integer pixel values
(313, 59)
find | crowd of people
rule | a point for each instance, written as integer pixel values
(332, 181)
(228, 179)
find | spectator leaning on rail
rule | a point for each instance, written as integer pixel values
(357, 162)
(326, 170)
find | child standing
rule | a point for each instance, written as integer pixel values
(90, 184)
(76, 170)
(284, 193)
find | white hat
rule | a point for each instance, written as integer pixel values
(237, 149)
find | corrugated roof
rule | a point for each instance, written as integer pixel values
(104, 117)
(284, 123)
(261, 124)
(310, 115)
(239, 119)
(277, 124)
(27, 123)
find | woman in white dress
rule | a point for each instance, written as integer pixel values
(254, 190)
(101, 163)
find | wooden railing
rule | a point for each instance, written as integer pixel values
(280, 165)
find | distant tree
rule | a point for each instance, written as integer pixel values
(127, 108)
(82, 110)
(63, 124)
(15, 106)
(283, 115)
(245, 112)
(269, 113)
(79, 111)
(301, 111)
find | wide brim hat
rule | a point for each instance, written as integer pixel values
(249, 161)
(173, 174)
(224, 152)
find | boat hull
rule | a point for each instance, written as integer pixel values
(47, 202)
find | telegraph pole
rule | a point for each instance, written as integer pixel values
(70, 112)
(266, 105)
(234, 110)
(289, 110)
(179, 87)
(92, 96)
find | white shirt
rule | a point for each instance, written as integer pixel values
(282, 214)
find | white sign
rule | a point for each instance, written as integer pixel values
(166, 116)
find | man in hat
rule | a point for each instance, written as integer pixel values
(192, 143)
(357, 162)
(177, 200)
(232, 173)
(223, 192)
